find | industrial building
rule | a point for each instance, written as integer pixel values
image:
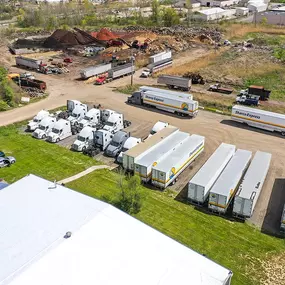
(53, 235)
(219, 3)
(257, 6)
(215, 14)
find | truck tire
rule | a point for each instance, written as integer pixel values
(83, 149)
(283, 134)
(57, 140)
(44, 136)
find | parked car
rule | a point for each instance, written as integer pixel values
(7, 161)
(2, 154)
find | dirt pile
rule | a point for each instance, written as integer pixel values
(62, 38)
(104, 35)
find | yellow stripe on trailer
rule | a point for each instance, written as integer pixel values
(165, 181)
(258, 121)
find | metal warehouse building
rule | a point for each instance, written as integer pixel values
(53, 235)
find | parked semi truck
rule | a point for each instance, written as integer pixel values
(144, 165)
(165, 102)
(83, 139)
(261, 119)
(34, 123)
(45, 126)
(175, 82)
(77, 114)
(133, 155)
(115, 73)
(92, 118)
(60, 131)
(28, 62)
(129, 143)
(95, 70)
(171, 166)
(227, 184)
(165, 91)
(199, 186)
(114, 123)
(155, 67)
(117, 143)
(251, 186)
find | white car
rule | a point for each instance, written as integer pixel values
(7, 161)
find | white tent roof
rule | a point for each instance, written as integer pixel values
(107, 246)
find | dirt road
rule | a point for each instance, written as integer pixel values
(216, 128)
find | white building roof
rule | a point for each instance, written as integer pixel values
(107, 246)
(212, 11)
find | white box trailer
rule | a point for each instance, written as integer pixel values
(261, 119)
(131, 156)
(165, 91)
(121, 71)
(144, 165)
(282, 226)
(168, 169)
(160, 56)
(251, 186)
(165, 102)
(28, 62)
(227, 184)
(199, 186)
(95, 70)
(178, 82)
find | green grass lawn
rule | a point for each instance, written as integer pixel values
(237, 246)
(38, 157)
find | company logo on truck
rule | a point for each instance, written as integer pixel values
(172, 172)
(248, 115)
(154, 98)
(184, 106)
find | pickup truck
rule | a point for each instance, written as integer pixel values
(247, 100)
(218, 88)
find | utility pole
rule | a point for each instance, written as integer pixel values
(132, 61)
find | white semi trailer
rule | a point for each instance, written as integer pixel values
(227, 184)
(165, 91)
(251, 186)
(168, 169)
(144, 165)
(28, 62)
(261, 119)
(160, 57)
(165, 102)
(200, 185)
(133, 155)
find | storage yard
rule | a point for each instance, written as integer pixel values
(216, 169)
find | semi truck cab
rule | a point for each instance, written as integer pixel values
(60, 131)
(92, 118)
(33, 124)
(136, 98)
(84, 137)
(44, 128)
(116, 145)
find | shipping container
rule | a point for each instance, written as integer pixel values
(199, 186)
(227, 184)
(143, 166)
(169, 168)
(266, 120)
(165, 91)
(95, 70)
(131, 156)
(160, 56)
(28, 62)
(165, 102)
(251, 186)
(173, 82)
(282, 226)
